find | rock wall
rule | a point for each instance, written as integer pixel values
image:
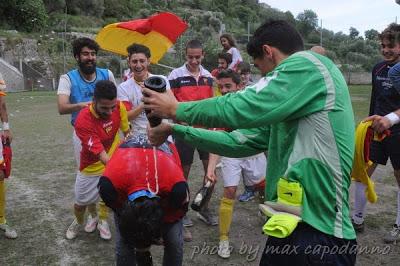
(12, 76)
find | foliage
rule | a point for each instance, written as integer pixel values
(25, 15)
(307, 22)
(371, 34)
(54, 5)
(353, 33)
(206, 18)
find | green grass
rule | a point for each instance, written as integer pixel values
(360, 99)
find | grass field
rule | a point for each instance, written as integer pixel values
(40, 197)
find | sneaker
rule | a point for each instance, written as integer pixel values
(91, 224)
(207, 217)
(73, 230)
(247, 196)
(187, 222)
(359, 228)
(104, 230)
(393, 236)
(224, 251)
(187, 236)
(9, 232)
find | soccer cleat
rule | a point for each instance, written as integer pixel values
(187, 222)
(359, 228)
(187, 236)
(393, 236)
(91, 224)
(73, 230)
(207, 217)
(224, 250)
(247, 196)
(9, 232)
(104, 230)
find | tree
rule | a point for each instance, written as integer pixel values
(121, 9)
(353, 33)
(54, 5)
(371, 34)
(307, 22)
(30, 15)
(93, 8)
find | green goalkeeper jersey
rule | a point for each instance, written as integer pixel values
(301, 114)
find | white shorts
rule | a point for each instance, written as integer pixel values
(86, 191)
(77, 148)
(252, 169)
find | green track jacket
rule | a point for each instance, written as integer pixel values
(301, 114)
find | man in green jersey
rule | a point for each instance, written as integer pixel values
(300, 111)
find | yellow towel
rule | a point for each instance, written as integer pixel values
(360, 164)
(281, 225)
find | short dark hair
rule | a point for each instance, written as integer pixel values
(229, 73)
(277, 33)
(230, 39)
(225, 56)
(243, 67)
(391, 33)
(105, 89)
(194, 44)
(79, 43)
(139, 221)
(136, 48)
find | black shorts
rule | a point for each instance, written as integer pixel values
(389, 147)
(308, 246)
(186, 152)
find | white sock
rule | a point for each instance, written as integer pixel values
(398, 209)
(360, 202)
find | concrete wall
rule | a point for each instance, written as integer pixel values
(358, 78)
(12, 76)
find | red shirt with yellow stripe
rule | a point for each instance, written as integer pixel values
(98, 134)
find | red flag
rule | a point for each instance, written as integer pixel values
(158, 32)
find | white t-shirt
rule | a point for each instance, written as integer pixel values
(130, 91)
(236, 57)
(64, 85)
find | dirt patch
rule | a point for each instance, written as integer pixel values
(40, 198)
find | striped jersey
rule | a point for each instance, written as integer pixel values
(186, 88)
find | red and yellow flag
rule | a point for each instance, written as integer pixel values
(158, 32)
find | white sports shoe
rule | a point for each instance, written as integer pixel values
(104, 230)
(91, 223)
(73, 230)
(9, 232)
(224, 250)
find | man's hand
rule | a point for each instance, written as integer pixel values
(379, 123)
(163, 105)
(83, 104)
(211, 176)
(7, 135)
(157, 135)
(104, 158)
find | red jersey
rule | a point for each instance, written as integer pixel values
(97, 135)
(132, 168)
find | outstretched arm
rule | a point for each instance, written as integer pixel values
(238, 143)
